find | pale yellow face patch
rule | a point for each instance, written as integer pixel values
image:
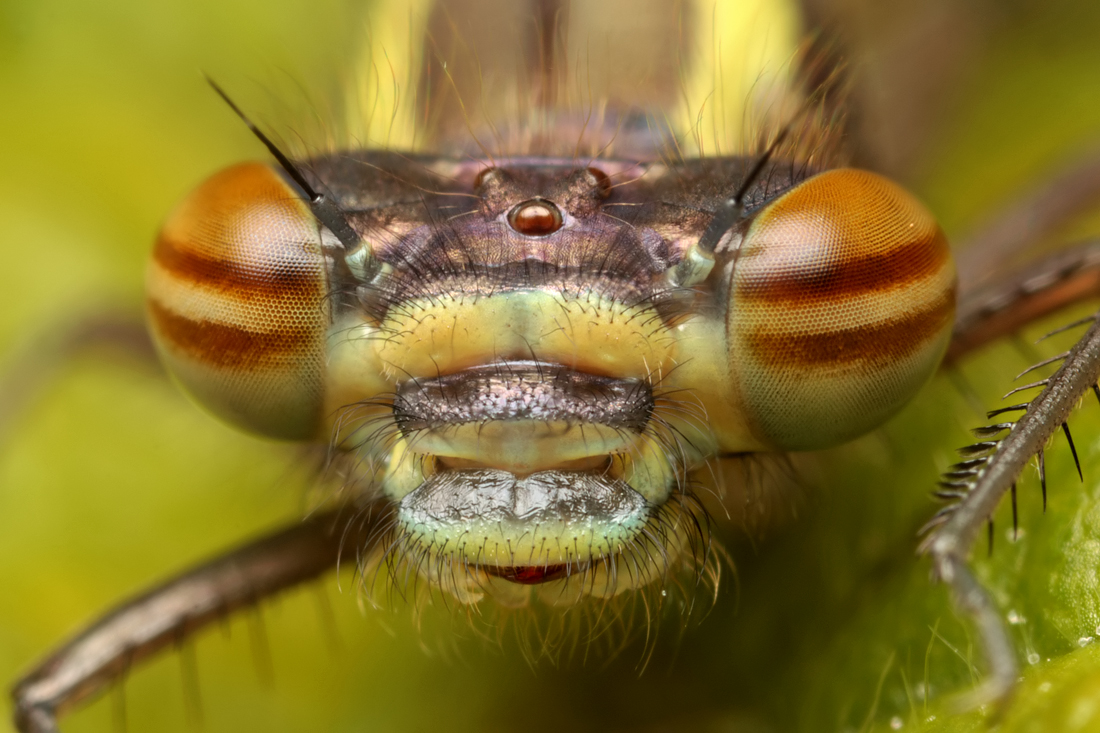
(453, 332)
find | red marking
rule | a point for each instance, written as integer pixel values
(528, 574)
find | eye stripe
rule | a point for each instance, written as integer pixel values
(184, 260)
(231, 347)
(236, 302)
(875, 345)
(254, 313)
(813, 315)
(902, 267)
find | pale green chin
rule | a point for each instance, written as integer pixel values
(555, 537)
(492, 519)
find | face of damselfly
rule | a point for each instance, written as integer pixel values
(531, 336)
(195, 465)
(516, 355)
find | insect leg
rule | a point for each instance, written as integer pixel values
(31, 368)
(992, 469)
(100, 654)
(1027, 220)
(1045, 286)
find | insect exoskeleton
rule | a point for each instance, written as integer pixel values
(505, 357)
(235, 289)
(841, 299)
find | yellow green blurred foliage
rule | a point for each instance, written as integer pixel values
(114, 480)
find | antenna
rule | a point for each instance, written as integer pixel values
(323, 208)
(698, 261)
(732, 209)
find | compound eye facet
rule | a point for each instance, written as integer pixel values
(842, 301)
(234, 295)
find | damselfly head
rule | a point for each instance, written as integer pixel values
(529, 347)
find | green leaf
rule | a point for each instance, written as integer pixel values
(829, 622)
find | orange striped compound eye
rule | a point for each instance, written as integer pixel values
(842, 299)
(234, 297)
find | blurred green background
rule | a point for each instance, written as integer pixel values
(113, 479)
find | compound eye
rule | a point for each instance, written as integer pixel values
(234, 296)
(842, 303)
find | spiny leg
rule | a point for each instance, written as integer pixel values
(987, 312)
(137, 629)
(1027, 220)
(991, 468)
(1044, 287)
